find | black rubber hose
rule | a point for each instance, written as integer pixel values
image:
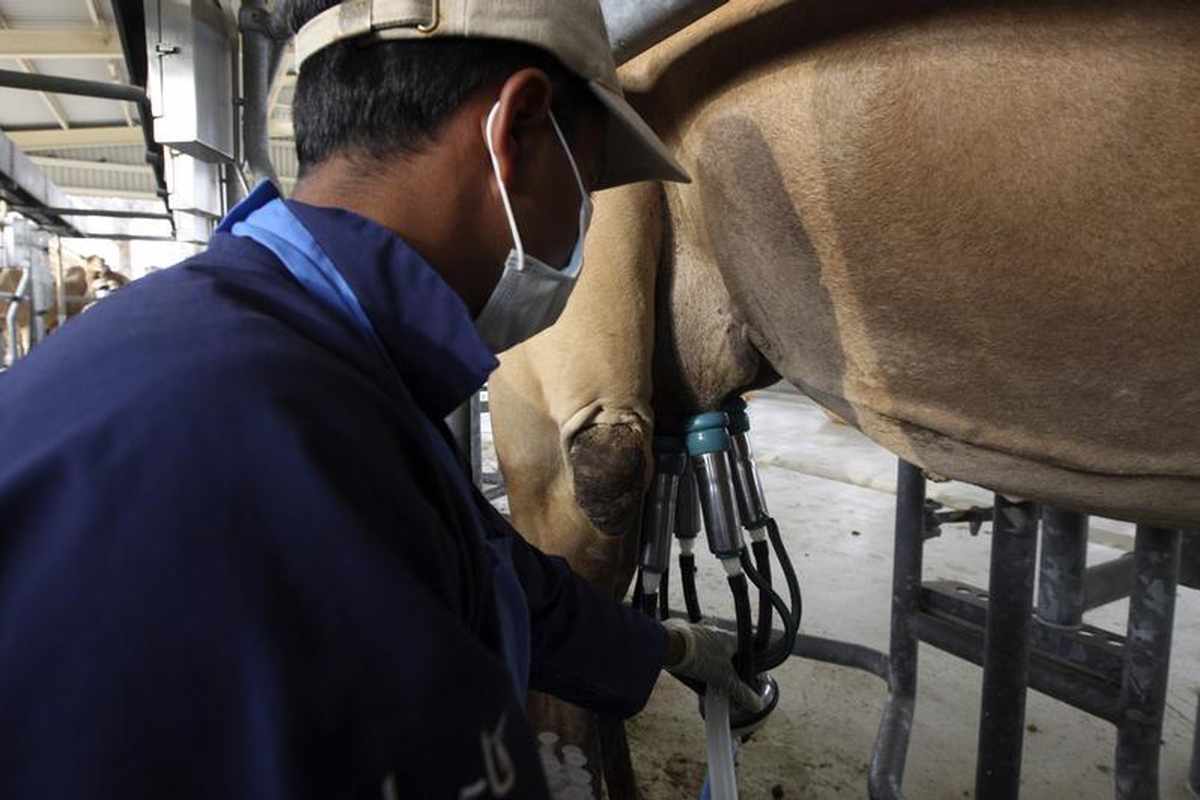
(762, 564)
(639, 594)
(743, 660)
(687, 574)
(793, 583)
(650, 605)
(664, 601)
(770, 657)
(693, 684)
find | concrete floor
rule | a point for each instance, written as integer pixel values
(832, 491)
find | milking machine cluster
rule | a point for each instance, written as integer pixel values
(708, 474)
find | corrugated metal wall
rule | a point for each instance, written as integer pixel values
(283, 155)
(99, 178)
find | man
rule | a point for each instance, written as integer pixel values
(239, 556)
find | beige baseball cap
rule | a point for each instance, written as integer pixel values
(572, 30)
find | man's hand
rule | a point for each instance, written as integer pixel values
(705, 654)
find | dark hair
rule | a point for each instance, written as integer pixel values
(392, 97)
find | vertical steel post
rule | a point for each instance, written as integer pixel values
(464, 427)
(60, 284)
(38, 302)
(262, 49)
(1006, 650)
(13, 331)
(1194, 772)
(891, 744)
(1062, 568)
(476, 440)
(1147, 662)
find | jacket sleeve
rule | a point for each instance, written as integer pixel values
(587, 648)
(264, 623)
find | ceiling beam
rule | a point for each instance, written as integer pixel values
(43, 43)
(50, 139)
(28, 184)
(50, 101)
(122, 194)
(99, 166)
(93, 12)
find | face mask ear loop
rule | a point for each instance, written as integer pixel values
(512, 220)
(585, 203)
(570, 158)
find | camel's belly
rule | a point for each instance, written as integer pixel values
(988, 261)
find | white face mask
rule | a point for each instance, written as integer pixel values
(531, 294)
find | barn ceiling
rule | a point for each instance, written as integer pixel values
(93, 148)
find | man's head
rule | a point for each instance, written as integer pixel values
(398, 91)
(380, 101)
(371, 106)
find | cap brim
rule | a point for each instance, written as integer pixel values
(635, 153)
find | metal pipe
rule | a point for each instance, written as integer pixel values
(714, 479)
(1189, 558)
(752, 501)
(895, 727)
(477, 439)
(658, 512)
(816, 648)
(131, 237)
(1108, 582)
(109, 91)
(1194, 772)
(60, 284)
(1051, 676)
(463, 423)
(37, 302)
(131, 25)
(1006, 650)
(1060, 588)
(37, 82)
(95, 212)
(1147, 663)
(634, 26)
(262, 51)
(687, 509)
(842, 654)
(708, 445)
(10, 318)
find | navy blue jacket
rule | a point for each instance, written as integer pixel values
(236, 561)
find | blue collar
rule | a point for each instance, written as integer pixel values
(422, 326)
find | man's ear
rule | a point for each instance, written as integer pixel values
(524, 107)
